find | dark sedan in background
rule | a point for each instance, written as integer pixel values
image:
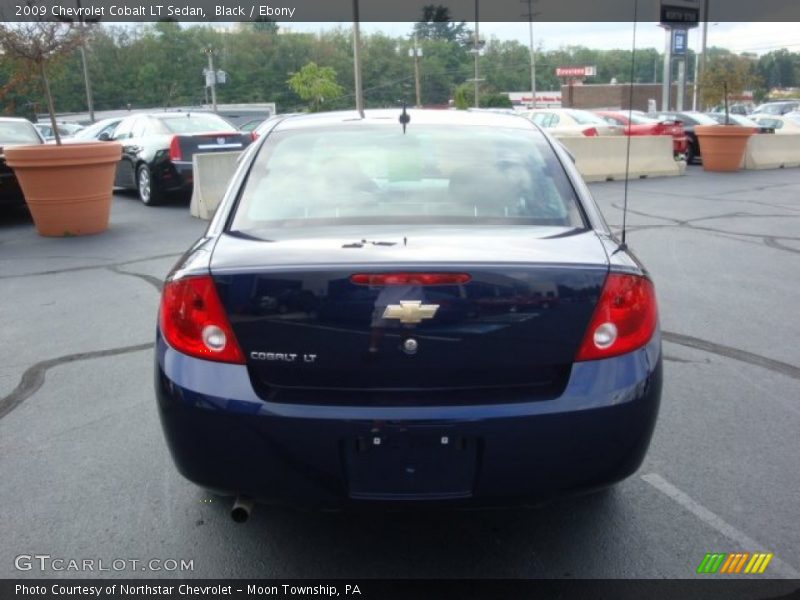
(157, 150)
(14, 132)
(411, 312)
(689, 119)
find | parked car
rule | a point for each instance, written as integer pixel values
(689, 120)
(782, 124)
(461, 326)
(564, 122)
(65, 130)
(741, 121)
(634, 123)
(14, 132)
(157, 150)
(777, 108)
(99, 131)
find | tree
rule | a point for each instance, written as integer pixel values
(38, 44)
(315, 84)
(725, 75)
(436, 24)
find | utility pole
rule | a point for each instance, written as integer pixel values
(477, 51)
(530, 14)
(357, 61)
(87, 82)
(703, 53)
(417, 53)
(667, 80)
(211, 77)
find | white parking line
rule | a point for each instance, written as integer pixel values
(726, 529)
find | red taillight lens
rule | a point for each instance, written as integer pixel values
(175, 149)
(410, 278)
(624, 319)
(253, 136)
(590, 132)
(193, 321)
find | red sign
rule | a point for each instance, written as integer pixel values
(576, 71)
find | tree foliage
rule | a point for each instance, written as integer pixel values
(36, 44)
(315, 84)
(436, 24)
(161, 65)
(727, 74)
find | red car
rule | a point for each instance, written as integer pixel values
(640, 124)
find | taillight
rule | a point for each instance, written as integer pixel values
(590, 132)
(253, 136)
(175, 149)
(624, 319)
(409, 278)
(193, 321)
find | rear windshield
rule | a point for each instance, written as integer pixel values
(430, 174)
(17, 132)
(642, 120)
(582, 117)
(196, 124)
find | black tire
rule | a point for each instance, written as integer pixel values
(690, 153)
(149, 193)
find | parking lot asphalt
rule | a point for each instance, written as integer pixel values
(86, 474)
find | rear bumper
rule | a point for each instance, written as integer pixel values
(223, 437)
(174, 176)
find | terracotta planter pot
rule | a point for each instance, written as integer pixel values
(67, 188)
(722, 146)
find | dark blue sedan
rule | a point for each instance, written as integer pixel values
(393, 313)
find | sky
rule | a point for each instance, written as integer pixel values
(759, 38)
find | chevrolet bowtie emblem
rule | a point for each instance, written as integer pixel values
(410, 311)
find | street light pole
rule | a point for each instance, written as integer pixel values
(417, 52)
(212, 77)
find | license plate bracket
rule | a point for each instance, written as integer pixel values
(411, 466)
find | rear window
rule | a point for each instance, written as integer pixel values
(582, 117)
(18, 132)
(642, 120)
(196, 124)
(430, 174)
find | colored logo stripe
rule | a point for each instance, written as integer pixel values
(716, 562)
(735, 562)
(758, 564)
(710, 563)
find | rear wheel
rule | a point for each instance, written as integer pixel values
(690, 153)
(149, 193)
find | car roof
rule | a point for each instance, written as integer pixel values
(14, 120)
(418, 117)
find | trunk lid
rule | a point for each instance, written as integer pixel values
(304, 326)
(228, 141)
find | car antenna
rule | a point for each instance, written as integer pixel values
(624, 245)
(405, 118)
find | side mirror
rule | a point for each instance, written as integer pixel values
(104, 137)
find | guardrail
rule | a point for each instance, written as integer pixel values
(603, 158)
(772, 151)
(211, 173)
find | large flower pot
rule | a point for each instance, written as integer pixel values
(722, 147)
(67, 188)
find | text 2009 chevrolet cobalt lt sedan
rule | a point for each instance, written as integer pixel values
(381, 314)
